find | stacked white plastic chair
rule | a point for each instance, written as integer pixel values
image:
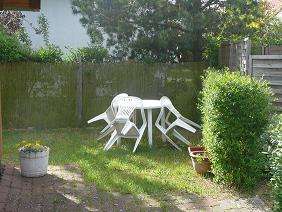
(108, 116)
(122, 126)
(180, 121)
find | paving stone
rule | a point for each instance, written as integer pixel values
(257, 203)
(5, 181)
(4, 194)
(228, 204)
(9, 170)
(2, 206)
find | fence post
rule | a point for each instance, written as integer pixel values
(248, 46)
(79, 86)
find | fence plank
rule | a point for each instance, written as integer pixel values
(79, 94)
(269, 68)
(267, 57)
(61, 95)
(267, 64)
(267, 71)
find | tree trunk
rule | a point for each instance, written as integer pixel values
(197, 36)
(197, 49)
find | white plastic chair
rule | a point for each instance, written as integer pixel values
(180, 121)
(122, 127)
(108, 115)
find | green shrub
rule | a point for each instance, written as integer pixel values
(48, 54)
(236, 111)
(88, 54)
(11, 49)
(276, 161)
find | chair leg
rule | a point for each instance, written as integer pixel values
(163, 121)
(108, 131)
(139, 138)
(180, 137)
(173, 144)
(105, 129)
(137, 143)
(111, 141)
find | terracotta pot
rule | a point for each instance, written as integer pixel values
(201, 164)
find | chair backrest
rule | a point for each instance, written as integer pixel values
(116, 99)
(165, 102)
(111, 111)
(126, 107)
(119, 96)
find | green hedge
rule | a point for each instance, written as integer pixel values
(236, 111)
(276, 161)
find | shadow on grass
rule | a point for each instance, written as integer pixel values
(161, 176)
(62, 189)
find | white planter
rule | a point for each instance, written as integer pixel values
(34, 164)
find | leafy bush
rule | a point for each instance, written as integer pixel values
(211, 52)
(236, 111)
(276, 161)
(48, 54)
(88, 54)
(11, 49)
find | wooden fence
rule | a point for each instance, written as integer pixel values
(269, 68)
(66, 95)
(235, 55)
(272, 50)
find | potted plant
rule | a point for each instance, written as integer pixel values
(200, 160)
(33, 159)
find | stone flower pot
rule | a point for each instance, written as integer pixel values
(34, 164)
(200, 161)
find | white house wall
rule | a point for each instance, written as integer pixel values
(65, 30)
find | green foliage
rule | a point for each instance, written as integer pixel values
(270, 34)
(88, 54)
(31, 146)
(24, 37)
(166, 31)
(11, 50)
(48, 54)
(276, 161)
(211, 52)
(242, 18)
(236, 111)
(43, 27)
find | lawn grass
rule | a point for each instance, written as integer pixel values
(155, 172)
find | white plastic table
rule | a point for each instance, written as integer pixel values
(149, 105)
